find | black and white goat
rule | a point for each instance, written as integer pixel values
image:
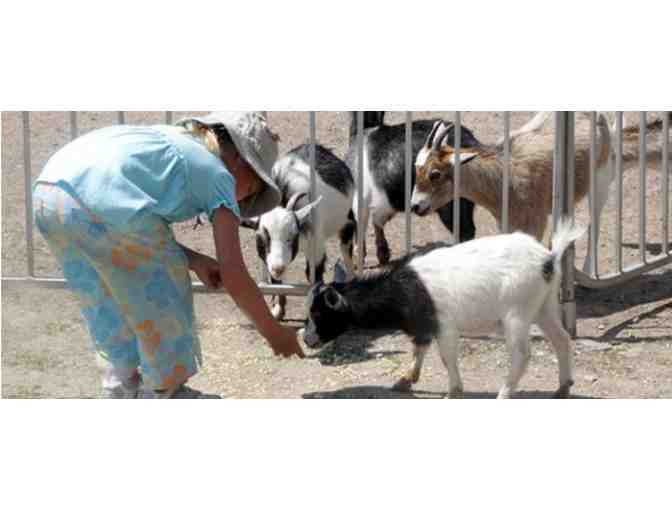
(288, 229)
(384, 176)
(468, 290)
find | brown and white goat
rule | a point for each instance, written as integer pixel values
(531, 182)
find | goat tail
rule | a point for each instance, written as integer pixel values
(565, 235)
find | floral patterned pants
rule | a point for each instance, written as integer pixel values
(134, 287)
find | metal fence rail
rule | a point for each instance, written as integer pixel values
(563, 202)
(595, 279)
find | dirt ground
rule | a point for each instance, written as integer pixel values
(623, 344)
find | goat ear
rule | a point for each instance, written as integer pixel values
(465, 157)
(303, 215)
(251, 223)
(334, 300)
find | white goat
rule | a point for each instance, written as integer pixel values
(288, 229)
(468, 290)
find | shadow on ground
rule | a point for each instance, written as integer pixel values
(647, 288)
(615, 331)
(188, 393)
(354, 347)
(381, 392)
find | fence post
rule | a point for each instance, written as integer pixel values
(408, 169)
(74, 127)
(457, 175)
(313, 191)
(361, 223)
(566, 171)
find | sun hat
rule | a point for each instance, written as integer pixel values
(258, 145)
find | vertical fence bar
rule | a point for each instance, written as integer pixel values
(558, 165)
(593, 201)
(121, 117)
(313, 191)
(569, 290)
(456, 177)
(506, 195)
(618, 242)
(28, 180)
(665, 179)
(263, 268)
(642, 186)
(571, 167)
(409, 179)
(362, 223)
(74, 128)
(169, 118)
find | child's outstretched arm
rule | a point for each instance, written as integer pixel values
(236, 279)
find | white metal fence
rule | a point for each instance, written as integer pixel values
(595, 278)
(563, 202)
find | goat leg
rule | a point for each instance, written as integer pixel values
(382, 247)
(564, 391)
(467, 222)
(278, 309)
(405, 384)
(448, 349)
(517, 330)
(319, 269)
(347, 237)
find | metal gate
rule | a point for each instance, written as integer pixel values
(563, 202)
(594, 278)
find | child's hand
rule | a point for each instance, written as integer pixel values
(285, 343)
(207, 270)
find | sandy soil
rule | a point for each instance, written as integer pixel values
(623, 344)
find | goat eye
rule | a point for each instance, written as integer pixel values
(434, 175)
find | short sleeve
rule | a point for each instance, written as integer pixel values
(212, 187)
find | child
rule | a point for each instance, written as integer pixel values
(105, 203)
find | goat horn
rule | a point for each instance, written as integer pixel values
(431, 136)
(446, 133)
(291, 205)
(441, 135)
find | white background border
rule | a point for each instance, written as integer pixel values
(342, 56)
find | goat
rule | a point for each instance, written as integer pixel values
(282, 232)
(384, 177)
(467, 290)
(531, 183)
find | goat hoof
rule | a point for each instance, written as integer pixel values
(403, 385)
(455, 394)
(278, 312)
(504, 395)
(564, 391)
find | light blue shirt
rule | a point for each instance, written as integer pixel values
(124, 173)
